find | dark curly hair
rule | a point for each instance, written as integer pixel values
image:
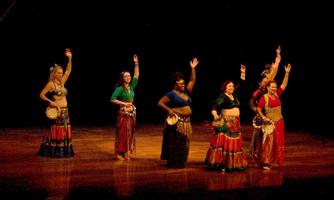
(177, 76)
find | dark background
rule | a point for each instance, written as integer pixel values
(103, 36)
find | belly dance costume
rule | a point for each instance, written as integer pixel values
(58, 141)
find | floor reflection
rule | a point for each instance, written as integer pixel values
(94, 174)
(248, 178)
(56, 176)
(123, 177)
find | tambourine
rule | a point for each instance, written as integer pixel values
(268, 128)
(52, 112)
(218, 123)
(172, 119)
(257, 122)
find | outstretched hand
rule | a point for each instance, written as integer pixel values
(287, 68)
(278, 50)
(194, 62)
(135, 59)
(243, 68)
(68, 53)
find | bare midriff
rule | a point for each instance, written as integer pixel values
(185, 110)
(231, 112)
(60, 101)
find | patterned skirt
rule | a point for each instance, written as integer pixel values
(226, 147)
(58, 141)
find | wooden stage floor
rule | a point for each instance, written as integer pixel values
(93, 173)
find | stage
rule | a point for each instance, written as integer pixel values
(93, 173)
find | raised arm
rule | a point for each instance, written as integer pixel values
(136, 70)
(68, 70)
(286, 76)
(193, 63)
(242, 80)
(274, 66)
(243, 72)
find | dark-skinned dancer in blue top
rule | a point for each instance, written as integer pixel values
(123, 96)
(175, 142)
(226, 145)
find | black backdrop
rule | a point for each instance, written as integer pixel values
(165, 35)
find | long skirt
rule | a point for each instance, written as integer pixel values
(273, 146)
(58, 141)
(256, 145)
(176, 142)
(226, 147)
(125, 133)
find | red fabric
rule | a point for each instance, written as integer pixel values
(278, 146)
(59, 132)
(125, 134)
(227, 143)
(271, 102)
(279, 142)
(256, 93)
